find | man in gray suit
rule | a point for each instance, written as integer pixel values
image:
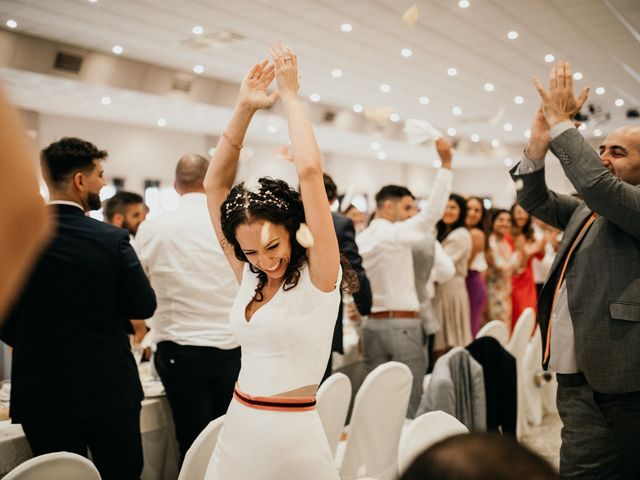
(589, 307)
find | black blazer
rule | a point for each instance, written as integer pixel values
(72, 358)
(347, 243)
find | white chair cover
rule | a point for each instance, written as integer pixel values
(532, 389)
(55, 466)
(496, 329)
(517, 347)
(332, 403)
(376, 423)
(424, 431)
(197, 457)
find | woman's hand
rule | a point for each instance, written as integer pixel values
(253, 90)
(286, 70)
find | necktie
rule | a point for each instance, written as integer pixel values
(575, 243)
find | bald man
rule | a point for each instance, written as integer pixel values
(589, 307)
(197, 357)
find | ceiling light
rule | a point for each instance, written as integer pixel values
(475, 138)
(597, 132)
(385, 88)
(518, 100)
(424, 100)
(381, 155)
(315, 97)
(508, 127)
(495, 143)
(577, 76)
(197, 30)
(93, 1)
(375, 146)
(211, 151)
(394, 117)
(117, 49)
(512, 35)
(619, 102)
(346, 27)
(437, 163)
(358, 108)
(452, 132)
(488, 87)
(549, 58)
(198, 69)
(406, 52)
(336, 73)
(463, 3)
(105, 100)
(452, 72)
(508, 162)
(12, 23)
(162, 122)
(456, 111)
(527, 133)
(600, 90)
(272, 128)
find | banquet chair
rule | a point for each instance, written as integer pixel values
(517, 347)
(197, 458)
(55, 466)
(379, 412)
(533, 389)
(332, 403)
(424, 431)
(496, 329)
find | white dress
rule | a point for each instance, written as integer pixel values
(285, 346)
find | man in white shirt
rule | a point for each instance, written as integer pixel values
(393, 330)
(197, 357)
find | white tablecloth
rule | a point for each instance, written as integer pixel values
(159, 443)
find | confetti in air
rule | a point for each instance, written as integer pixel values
(304, 237)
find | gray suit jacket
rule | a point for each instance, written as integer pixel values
(603, 275)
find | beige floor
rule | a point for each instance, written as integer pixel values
(545, 438)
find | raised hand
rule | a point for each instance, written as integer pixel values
(559, 103)
(286, 70)
(443, 147)
(253, 90)
(540, 137)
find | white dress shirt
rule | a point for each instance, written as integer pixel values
(194, 284)
(385, 248)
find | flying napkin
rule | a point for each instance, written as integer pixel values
(420, 131)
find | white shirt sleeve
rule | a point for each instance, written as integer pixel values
(443, 266)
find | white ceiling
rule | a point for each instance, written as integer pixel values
(599, 37)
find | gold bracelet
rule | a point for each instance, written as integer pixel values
(231, 141)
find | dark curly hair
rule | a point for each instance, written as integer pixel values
(68, 155)
(279, 204)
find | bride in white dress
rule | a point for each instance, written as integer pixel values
(282, 247)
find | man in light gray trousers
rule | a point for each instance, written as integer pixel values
(589, 307)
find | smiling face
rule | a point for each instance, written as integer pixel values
(620, 153)
(474, 213)
(520, 216)
(502, 224)
(451, 213)
(273, 257)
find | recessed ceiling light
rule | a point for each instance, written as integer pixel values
(597, 132)
(406, 52)
(346, 27)
(549, 58)
(488, 87)
(582, 127)
(394, 117)
(512, 35)
(315, 97)
(452, 71)
(527, 133)
(381, 155)
(375, 146)
(211, 151)
(162, 122)
(358, 108)
(475, 138)
(12, 23)
(456, 110)
(197, 30)
(336, 73)
(463, 3)
(619, 102)
(452, 132)
(105, 100)
(93, 1)
(508, 162)
(424, 100)
(385, 88)
(508, 127)
(437, 163)
(518, 100)
(272, 128)
(577, 76)
(117, 49)
(198, 69)
(600, 90)
(495, 143)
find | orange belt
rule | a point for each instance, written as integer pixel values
(575, 243)
(280, 404)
